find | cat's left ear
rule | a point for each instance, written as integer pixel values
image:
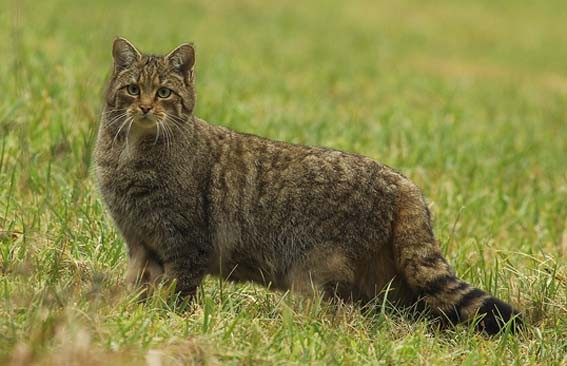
(183, 59)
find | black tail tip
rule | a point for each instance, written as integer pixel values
(496, 316)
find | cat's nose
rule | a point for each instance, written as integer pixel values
(145, 108)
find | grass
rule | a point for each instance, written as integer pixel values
(467, 98)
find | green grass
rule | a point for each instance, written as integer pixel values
(468, 98)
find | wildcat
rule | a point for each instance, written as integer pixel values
(192, 199)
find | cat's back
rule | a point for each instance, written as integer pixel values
(276, 185)
(250, 162)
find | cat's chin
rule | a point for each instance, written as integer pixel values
(142, 128)
(144, 123)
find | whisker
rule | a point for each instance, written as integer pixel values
(131, 119)
(112, 111)
(116, 119)
(114, 114)
(174, 117)
(120, 129)
(169, 136)
(157, 132)
(178, 122)
(165, 133)
(180, 127)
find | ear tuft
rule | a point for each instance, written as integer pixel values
(124, 53)
(183, 59)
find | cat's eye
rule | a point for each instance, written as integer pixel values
(133, 89)
(163, 92)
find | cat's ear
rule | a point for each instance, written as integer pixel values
(183, 59)
(124, 53)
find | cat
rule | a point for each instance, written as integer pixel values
(191, 198)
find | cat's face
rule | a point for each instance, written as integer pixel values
(147, 92)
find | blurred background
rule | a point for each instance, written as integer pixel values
(264, 65)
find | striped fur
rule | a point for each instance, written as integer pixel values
(191, 199)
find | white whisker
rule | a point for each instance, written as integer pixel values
(165, 133)
(131, 119)
(157, 132)
(120, 129)
(116, 118)
(180, 127)
(169, 136)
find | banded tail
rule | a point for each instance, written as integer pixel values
(428, 274)
(457, 301)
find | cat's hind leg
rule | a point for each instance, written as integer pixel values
(325, 270)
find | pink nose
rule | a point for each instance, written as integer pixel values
(145, 108)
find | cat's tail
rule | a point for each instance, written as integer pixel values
(428, 274)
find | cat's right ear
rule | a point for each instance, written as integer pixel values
(124, 53)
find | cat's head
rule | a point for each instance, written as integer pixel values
(149, 90)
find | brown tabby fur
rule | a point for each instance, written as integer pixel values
(192, 199)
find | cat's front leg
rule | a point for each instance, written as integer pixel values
(145, 268)
(186, 262)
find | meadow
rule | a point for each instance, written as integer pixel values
(467, 98)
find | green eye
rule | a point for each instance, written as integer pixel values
(133, 89)
(163, 92)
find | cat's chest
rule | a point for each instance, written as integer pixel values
(134, 184)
